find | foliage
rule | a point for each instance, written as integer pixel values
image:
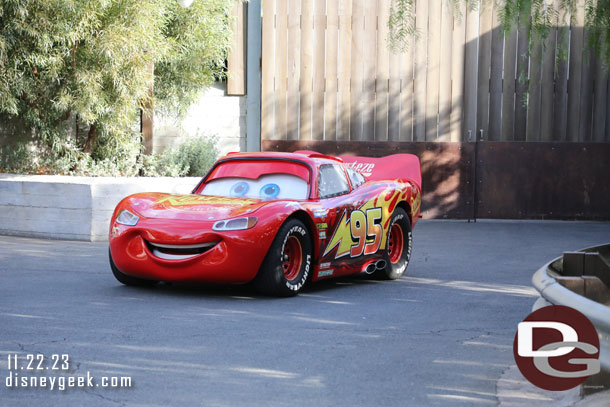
(115, 157)
(92, 59)
(539, 15)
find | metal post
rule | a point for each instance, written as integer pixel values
(253, 75)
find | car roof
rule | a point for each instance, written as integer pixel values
(312, 158)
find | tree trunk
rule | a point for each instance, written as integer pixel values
(91, 139)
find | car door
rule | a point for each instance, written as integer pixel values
(351, 233)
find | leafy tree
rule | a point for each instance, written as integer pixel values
(543, 15)
(92, 59)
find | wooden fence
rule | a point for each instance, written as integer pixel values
(328, 74)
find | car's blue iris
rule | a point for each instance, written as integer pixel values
(270, 191)
(239, 189)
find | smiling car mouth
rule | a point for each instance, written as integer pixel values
(178, 252)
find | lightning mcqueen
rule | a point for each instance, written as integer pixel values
(276, 219)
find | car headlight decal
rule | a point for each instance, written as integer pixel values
(235, 224)
(127, 218)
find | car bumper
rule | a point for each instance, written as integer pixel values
(231, 257)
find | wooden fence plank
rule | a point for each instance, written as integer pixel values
(306, 78)
(236, 60)
(469, 129)
(394, 97)
(344, 69)
(457, 71)
(521, 84)
(268, 71)
(369, 49)
(294, 69)
(548, 82)
(406, 92)
(495, 77)
(508, 86)
(600, 120)
(357, 74)
(485, 25)
(382, 77)
(534, 98)
(319, 35)
(560, 101)
(575, 78)
(332, 38)
(281, 55)
(433, 69)
(444, 96)
(586, 93)
(421, 55)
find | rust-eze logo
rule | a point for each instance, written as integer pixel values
(556, 348)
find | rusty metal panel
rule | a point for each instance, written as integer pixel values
(548, 180)
(447, 169)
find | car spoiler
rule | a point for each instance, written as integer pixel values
(396, 166)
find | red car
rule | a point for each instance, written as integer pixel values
(276, 219)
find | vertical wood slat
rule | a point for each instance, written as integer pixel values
(236, 60)
(419, 86)
(383, 72)
(344, 68)
(406, 92)
(433, 69)
(533, 102)
(521, 85)
(357, 73)
(457, 71)
(560, 102)
(369, 57)
(293, 69)
(600, 120)
(508, 86)
(394, 98)
(548, 81)
(495, 77)
(281, 55)
(575, 76)
(470, 76)
(319, 34)
(268, 70)
(306, 77)
(485, 25)
(332, 38)
(444, 97)
(586, 93)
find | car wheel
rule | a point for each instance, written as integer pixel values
(399, 242)
(288, 262)
(125, 279)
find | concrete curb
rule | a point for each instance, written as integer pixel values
(75, 208)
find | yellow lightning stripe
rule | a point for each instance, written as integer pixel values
(341, 237)
(187, 200)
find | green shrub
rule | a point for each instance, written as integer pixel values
(114, 157)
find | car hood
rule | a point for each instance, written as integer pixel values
(192, 207)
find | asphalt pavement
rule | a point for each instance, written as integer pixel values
(442, 335)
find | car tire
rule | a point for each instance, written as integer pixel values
(288, 263)
(128, 280)
(399, 243)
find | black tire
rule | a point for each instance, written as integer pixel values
(128, 280)
(280, 275)
(397, 265)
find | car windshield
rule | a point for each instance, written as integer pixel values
(270, 180)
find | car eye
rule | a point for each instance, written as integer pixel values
(239, 189)
(269, 191)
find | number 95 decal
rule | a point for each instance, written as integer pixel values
(359, 234)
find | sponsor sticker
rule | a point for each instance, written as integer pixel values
(325, 273)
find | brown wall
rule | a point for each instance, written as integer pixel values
(511, 180)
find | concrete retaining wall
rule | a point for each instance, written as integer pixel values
(77, 208)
